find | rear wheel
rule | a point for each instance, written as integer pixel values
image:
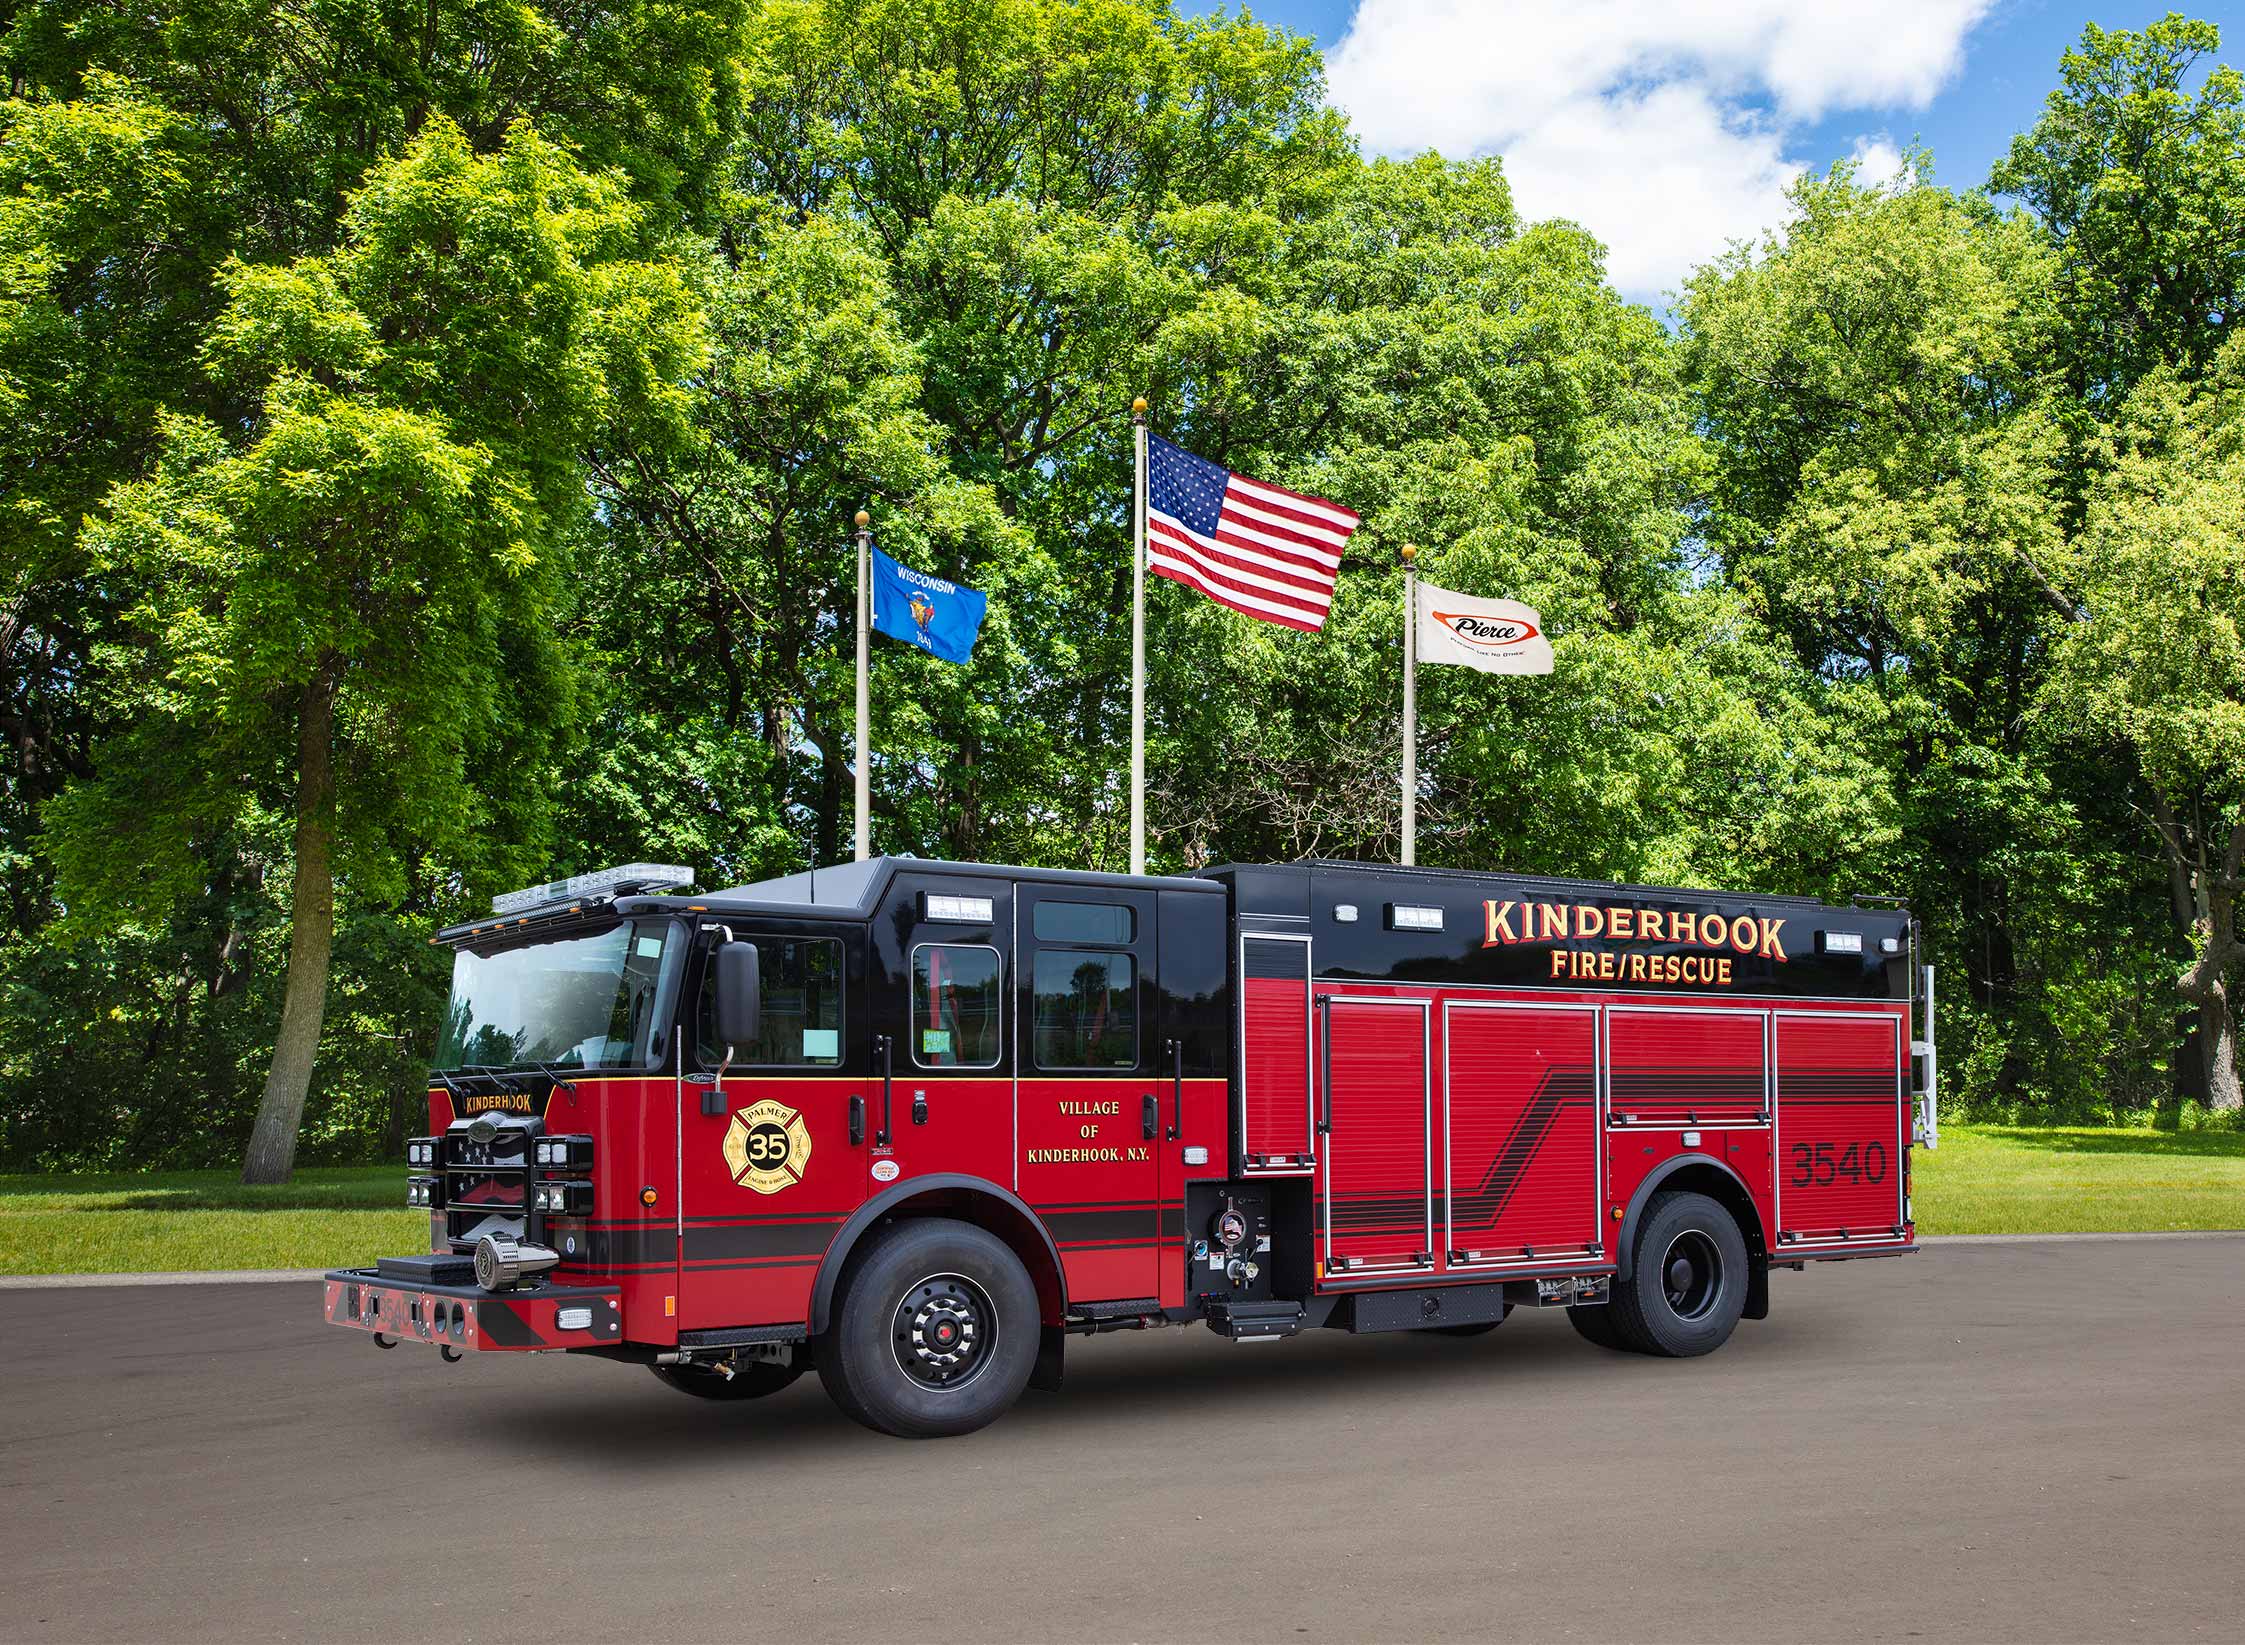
(1687, 1285)
(935, 1331)
(751, 1381)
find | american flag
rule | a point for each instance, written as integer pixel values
(1260, 549)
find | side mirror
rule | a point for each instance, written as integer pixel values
(740, 1004)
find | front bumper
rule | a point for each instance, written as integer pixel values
(467, 1318)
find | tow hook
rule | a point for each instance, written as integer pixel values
(381, 1341)
(452, 1355)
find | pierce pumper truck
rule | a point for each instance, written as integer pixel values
(917, 1123)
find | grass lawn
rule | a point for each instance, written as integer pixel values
(1991, 1179)
(1983, 1180)
(205, 1219)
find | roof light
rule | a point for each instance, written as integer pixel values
(964, 910)
(1403, 916)
(640, 876)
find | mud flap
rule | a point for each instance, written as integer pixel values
(1052, 1344)
(1757, 1286)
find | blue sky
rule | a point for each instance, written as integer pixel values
(1669, 127)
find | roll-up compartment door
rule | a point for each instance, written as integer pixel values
(1276, 1067)
(1840, 1127)
(1682, 1067)
(1520, 1100)
(1379, 1165)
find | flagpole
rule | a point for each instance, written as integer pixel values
(864, 695)
(1410, 706)
(1138, 644)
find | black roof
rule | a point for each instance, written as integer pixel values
(844, 890)
(1558, 885)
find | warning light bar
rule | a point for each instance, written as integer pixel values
(636, 876)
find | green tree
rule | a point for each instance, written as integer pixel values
(353, 600)
(1882, 388)
(2158, 663)
(2140, 186)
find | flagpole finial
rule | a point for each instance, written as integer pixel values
(1138, 406)
(863, 519)
(1409, 551)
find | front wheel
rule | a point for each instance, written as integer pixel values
(935, 1331)
(1687, 1286)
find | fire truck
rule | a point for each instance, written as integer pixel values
(919, 1123)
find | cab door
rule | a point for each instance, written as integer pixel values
(773, 1156)
(1092, 1104)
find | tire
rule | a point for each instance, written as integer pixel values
(935, 1331)
(1479, 1328)
(1595, 1323)
(754, 1380)
(1687, 1284)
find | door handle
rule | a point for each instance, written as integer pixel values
(1176, 1090)
(881, 1139)
(1149, 1115)
(1325, 1068)
(857, 1121)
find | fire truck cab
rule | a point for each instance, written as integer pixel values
(916, 1123)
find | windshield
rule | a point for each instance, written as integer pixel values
(596, 1001)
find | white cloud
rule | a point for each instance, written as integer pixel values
(1877, 161)
(1660, 125)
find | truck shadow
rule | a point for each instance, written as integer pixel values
(656, 1430)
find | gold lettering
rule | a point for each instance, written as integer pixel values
(1771, 948)
(1553, 917)
(1650, 927)
(1636, 968)
(1589, 921)
(1559, 960)
(1742, 933)
(1723, 970)
(1500, 924)
(1683, 928)
(1620, 924)
(1606, 967)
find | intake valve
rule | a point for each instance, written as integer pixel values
(1231, 1233)
(502, 1263)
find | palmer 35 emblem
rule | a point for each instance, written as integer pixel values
(767, 1146)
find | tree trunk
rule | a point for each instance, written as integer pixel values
(2218, 1043)
(2206, 984)
(311, 936)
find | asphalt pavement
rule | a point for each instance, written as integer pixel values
(2033, 1442)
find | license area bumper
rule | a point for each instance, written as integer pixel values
(467, 1318)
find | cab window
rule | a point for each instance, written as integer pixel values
(801, 979)
(956, 1013)
(1087, 1009)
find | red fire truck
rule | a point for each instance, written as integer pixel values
(917, 1123)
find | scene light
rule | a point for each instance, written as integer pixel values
(963, 910)
(638, 876)
(1403, 916)
(1841, 942)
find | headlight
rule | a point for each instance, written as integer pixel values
(572, 1153)
(421, 1191)
(565, 1199)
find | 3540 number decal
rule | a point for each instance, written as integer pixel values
(1819, 1165)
